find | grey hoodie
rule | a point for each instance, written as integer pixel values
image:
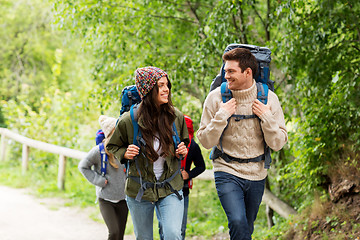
(114, 189)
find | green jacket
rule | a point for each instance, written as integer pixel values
(123, 137)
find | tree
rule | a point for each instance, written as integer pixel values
(321, 48)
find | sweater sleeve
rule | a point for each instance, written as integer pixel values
(92, 159)
(196, 157)
(213, 120)
(273, 124)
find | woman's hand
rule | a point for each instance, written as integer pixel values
(184, 174)
(181, 150)
(131, 151)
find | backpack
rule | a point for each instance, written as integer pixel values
(263, 58)
(263, 84)
(129, 97)
(104, 159)
(189, 124)
(99, 137)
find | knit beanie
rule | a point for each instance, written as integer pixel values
(146, 78)
(107, 124)
(189, 124)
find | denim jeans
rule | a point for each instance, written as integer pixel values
(184, 220)
(240, 199)
(169, 211)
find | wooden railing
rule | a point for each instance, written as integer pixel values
(269, 198)
(63, 152)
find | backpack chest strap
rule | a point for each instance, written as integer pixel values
(242, 117)
(217, 153)
(145, 185)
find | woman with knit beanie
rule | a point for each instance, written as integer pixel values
(110, 186)
(154, 178)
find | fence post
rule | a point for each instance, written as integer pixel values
(25, 158)
(3, 147)
(61, 173)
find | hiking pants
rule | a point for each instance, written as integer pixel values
(169, 211)
(115, 217)
(240, 199)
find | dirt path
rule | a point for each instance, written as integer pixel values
(25, 217)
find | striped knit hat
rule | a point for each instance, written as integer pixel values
(146, 78)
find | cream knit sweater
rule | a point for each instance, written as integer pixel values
(242, 139)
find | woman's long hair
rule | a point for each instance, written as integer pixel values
(157, 122)
(111, 157)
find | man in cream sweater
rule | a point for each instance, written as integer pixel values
(240, 182)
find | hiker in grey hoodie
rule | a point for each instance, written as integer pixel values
(109, 186)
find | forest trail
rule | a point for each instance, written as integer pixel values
(23, 216)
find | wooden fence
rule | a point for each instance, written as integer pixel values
(27, 143)
(269, 198)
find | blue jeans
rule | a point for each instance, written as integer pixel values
(169, 211)
(184, 220)
(240, 199)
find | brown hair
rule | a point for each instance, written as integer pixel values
(244, 57)
(157, 119)
(111, 157)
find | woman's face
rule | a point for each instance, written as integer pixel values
(163, 94)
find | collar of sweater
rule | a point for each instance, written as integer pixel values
(246, 95)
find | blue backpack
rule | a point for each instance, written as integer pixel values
(104, 158)
(129, 96)
(263, 84)
(263, 57)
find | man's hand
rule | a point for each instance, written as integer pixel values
(259, 108)
(131, 151)
(229, 106)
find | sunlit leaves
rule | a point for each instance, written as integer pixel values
(322, 54)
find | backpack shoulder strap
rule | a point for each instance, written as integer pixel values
(176, 137)
(262, 92)
(133, 115)
(226, 94)
(262, 95)
(104, 159)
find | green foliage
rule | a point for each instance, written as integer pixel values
(185, 38)
(321, 49)
(46, 80)
(2, 119)
(65, 62)
(205, 216)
